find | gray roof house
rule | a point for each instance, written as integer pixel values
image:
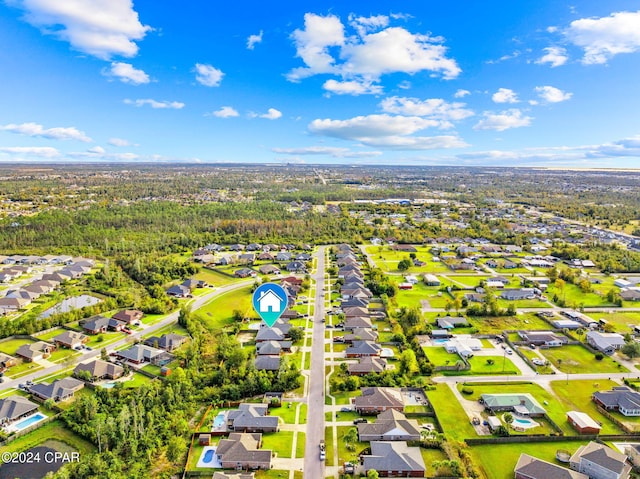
(15, 407)
(361, 334)
(271, 348)
(168, 342)
(252, 418)
(515, 294)
(529, 467)
(241, 451)
(390, 425)
(608, 343)
(450, 322)
(70, 339)
(600, 462)
(100, 369)
(620, 398)
(359, 349)
(543, 338)
(367, 365)
(140, 353)
(395, 459)
(378, 399)
(267, 363)
(35, 351)
(59, 390)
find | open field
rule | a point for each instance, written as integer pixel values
(218, 312)
(576, 358)
(455, 422)
(497, 325)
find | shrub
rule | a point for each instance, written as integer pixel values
(599, 356)
(467, 390)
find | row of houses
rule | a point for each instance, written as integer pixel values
(19, 298)
(360, 336)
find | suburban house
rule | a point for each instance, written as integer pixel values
(252, 418)
(394, 459)
(463, 346)
(529, 467)
(450, 322)
(359, 349)
(630, 294)
(543, 338)
(269, 269)
(518, 294)
(100, 369)
(168, 342)
(357, 322)
(244, 273)
(7, 361)
(298, 266)
(522, 404)
(100, 324)
(178, 291)
(13, 304)
(600, 462)
(242, 451)
(269, 334)
(139, 353)
(376, 400)
(271, 348)
(390, 425)
(35, 351)
(267, 362)
(128, 315)
(583, 423)
(367, 365)
(431, 280)
(607, 343)
(360, 334)
(621, 398)
(15, 407)
(59, 390)
(70, 339)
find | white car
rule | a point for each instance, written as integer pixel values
(537, 362)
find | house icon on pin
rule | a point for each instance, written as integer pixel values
(270, 302)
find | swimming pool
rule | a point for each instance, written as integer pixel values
(219, 421)
(439, 341)
(524, 423)
(208, 458)
(30, 421)
(108, 385)
(386, 353)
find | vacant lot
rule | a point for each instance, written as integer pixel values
(578, 359)
(218, 312)
(498, 325)
(455, 422)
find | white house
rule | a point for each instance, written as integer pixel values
(270, 302)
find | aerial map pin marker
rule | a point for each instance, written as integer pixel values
(270, 301)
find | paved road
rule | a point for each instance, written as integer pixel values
(313, 466)
(171, 318)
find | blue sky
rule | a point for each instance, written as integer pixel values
(545, 83)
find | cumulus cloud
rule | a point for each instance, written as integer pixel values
(352, 87)
(126, 73)
(57, 133)
(226, 112)
(433, 108)
(31, 151)
(119, 142)
(385, 131)
(97, 150)
(555, 56)
(461, 93)
(176, 105)
(375, 50)
(253, 40)
(605, 37)
(504, 120)
(102, 28)
(505, 95)
(333, 151)
(208, 75)
(552, 94)
(271, 114)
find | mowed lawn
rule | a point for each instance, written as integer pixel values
(623, 321)
(215, 278)
(411, 298)
(12, 345)
(499, 461)
(218, 312)
(453, 419)
(387, 260)
(578, 359)
(576, 395)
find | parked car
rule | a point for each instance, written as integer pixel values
(360, 420)
(346, 409)
(509, 351)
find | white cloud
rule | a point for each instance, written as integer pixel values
(312, 45)
(225, 112)
(353, 87)
(504, 58)
(57, 133)
(119, 142)
(433, 108)
(386, 131)
(461, 93)
(556, 56)
(552, 94)
(31, 151)
(208, 75)
(505, 95)
(253, 40)
(503, 121)
(97, 150)
(603, 38)
(128, 74)
(369, 54)
(272, 114)
(333, 151)
(102, 28)
(404, 85)
(176, 105)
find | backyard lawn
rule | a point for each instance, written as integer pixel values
(455, 422)
(11, 346)
(574, 358)
(278, 442)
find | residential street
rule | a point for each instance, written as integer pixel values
(313, 466)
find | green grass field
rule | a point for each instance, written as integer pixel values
(11, 346)
(451, 415)
(215, 278)
(52, 430)
(577, 359)
(497, 325)
(574, 297)
(387, 260)
(278, 442)
(218, 313)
